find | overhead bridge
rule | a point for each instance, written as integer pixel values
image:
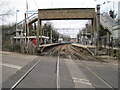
(65, 14)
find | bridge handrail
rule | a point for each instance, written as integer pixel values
(24, 20)
(31, 18)
(107, 22)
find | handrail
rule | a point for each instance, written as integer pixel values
(107, 22)
(23, 21)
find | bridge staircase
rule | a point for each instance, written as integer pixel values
(19, 26)
(107, 22)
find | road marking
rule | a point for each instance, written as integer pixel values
(10, 65)
(51, 53)
(85, 81)
(58, 77)
(115, 64)
(70, 57)
(97, 75)
(78, 77)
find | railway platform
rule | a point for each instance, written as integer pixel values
(91, 49)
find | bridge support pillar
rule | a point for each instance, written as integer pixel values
(39, 34)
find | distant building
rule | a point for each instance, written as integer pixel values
(85, 35)
(73, 40)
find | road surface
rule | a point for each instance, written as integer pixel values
(64, 66)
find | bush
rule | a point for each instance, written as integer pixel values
(7, 47)
(11, 48)
(17, 48)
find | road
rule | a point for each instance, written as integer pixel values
(65, 66)
(12, 62)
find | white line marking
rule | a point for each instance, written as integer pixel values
(11, 65)
(85, 81)
(115, 64)
(70, 57)
(58, 77)
(51, 53)
(97, 75)
(78, 77)
(94, 72)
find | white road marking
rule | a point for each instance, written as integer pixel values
(58, 77)
(51, 53)
(77, 75)
(70, 57)
(10, 65)
(115, 64)
(98, 76)
(85, 81)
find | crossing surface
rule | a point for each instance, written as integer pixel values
(65, 66)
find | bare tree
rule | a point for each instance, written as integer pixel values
(5, 11)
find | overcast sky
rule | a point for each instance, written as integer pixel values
(42, 4)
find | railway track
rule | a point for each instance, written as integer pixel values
(77, 55)
(63, 52)
(88, 57)
(51, 52)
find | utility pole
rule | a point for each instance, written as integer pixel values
(3, 32)
(37, 35)
(98, 29)
(28, 32)
(25, 30)
(16, 24)
(51, 36)
(86, 41)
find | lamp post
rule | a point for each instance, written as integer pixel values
(16, 24)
